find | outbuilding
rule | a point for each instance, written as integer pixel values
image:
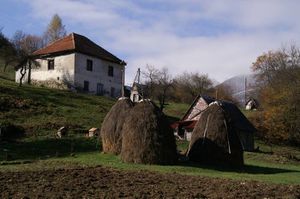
(251, 104)
(245, 130)
(94, 132)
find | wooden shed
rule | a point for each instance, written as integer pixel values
(243, 126)
(187, 123)
(251, 104)
(94, 132)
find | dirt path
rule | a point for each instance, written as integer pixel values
(102, 182)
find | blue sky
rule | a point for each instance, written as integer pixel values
(214, 37)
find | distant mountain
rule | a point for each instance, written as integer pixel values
(215, 82)
(241, 87)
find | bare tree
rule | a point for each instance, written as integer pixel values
(151, 76)
(158, 83)
(26, 63)
(163, 87)
(25, 45)
(55, 30)
(188, 85)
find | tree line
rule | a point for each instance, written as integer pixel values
(17, 51)
(158, 84)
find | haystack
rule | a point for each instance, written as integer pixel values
(214, 139)
(112, 125)
(147, 137)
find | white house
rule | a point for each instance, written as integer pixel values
(79, 63)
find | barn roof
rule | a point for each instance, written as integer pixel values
(77, 43)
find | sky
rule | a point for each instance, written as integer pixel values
(221, 38)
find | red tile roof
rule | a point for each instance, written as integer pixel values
(77, 43)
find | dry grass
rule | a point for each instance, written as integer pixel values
(111, 130)
(214, 139)
(147, 136)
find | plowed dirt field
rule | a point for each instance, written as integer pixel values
(103, 182)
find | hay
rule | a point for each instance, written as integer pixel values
(147, 136)
(112, 125)
(214, 140)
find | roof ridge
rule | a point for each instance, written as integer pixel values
(97, 46)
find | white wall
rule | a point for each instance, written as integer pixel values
(63, 69)
(18, 76)
(98, 75)
(73, 66)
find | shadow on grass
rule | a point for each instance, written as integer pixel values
(248, 169)
(47, 148)
(31, 150)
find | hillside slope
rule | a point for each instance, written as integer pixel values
(41, 111)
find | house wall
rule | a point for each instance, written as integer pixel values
(99, 74)
(187, 135)
(72, 68)
(200, 106)
(63, 69)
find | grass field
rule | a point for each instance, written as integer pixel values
(41, 111)
(176, 110)
(71, 152)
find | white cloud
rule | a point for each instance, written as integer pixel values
(220, 38)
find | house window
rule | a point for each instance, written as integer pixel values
(112, 92)
(110, 71)
(89, 65)
(51, 64)
(86, 85)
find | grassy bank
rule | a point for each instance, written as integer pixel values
(8, 74)
(41, 111)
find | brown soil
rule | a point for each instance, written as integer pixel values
(102, 182)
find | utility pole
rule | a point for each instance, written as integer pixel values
(123, 81)
(139, 75)
(245, 91)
